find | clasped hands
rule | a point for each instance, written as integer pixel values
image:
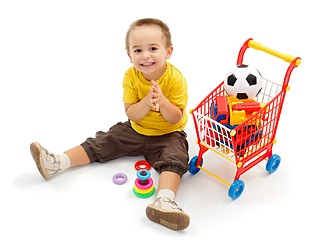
(155, 95)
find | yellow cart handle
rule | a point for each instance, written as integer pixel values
(286, 57)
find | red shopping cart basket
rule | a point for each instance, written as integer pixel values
(251, 141)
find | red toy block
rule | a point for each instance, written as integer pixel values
(248, 107)
(222, 110)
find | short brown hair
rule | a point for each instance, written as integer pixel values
(150, 22)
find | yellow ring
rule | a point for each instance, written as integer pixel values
(143, 191)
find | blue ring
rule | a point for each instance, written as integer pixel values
(119, 178)
(143, 177)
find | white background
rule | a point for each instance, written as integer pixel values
(61, 70)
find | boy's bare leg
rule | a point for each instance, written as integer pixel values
(78, 156)
(169, 180)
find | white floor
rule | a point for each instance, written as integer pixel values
(61, 67)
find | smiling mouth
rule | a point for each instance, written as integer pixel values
(147, 64)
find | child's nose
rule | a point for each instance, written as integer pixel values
(146, 54)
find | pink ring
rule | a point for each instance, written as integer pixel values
(139, 165)
(144, 187)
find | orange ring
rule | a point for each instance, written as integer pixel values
(142, 164)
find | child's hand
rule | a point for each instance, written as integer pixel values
(157, 95)
(149, 99)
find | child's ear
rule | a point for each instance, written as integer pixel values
(169, 52)
(128, 53)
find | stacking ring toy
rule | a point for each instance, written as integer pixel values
(119, 178)
(143, 187)
(142, 164)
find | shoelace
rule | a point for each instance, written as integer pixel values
(168, 200)
(52, 158)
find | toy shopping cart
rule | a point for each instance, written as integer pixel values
(251, 141)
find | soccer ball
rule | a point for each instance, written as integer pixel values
(243, 82)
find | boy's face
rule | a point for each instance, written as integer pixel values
(148, 52)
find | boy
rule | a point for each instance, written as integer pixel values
(155, 98)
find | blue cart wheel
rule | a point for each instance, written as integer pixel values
(236, 189)
(193, 169)
(273, 163)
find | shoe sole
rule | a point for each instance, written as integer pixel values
(35, 151)
(172, 220)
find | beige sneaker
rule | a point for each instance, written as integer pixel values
(47, 163)
(166, 212)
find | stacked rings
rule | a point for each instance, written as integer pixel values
(143, 187)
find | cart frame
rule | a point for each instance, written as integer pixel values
(250, 142)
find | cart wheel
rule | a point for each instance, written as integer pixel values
(273, 163)
(193, 169)
(236, 189)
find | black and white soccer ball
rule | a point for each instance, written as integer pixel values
(243, 82)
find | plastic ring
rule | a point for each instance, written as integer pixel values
(143, 191)
(143, 174)
(119, 178)
(147, 195)
(142, 164)
(143, 187)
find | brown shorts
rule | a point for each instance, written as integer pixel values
(168, 152)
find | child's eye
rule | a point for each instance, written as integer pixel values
(137, 51)
(154, 49)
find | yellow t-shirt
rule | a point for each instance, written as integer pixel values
(174, 88)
